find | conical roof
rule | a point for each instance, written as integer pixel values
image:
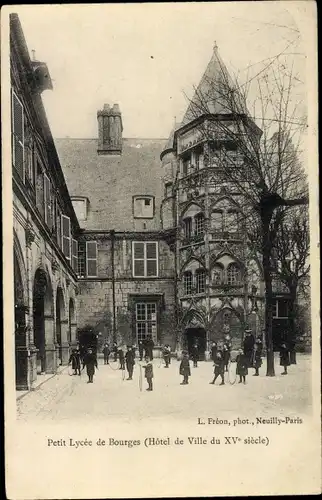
(214, 92)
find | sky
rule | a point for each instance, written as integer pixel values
(147, 57)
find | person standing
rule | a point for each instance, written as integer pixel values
(214, 351)
(166, 355)
(74, 359)
(141, 350)
(195, 355)
(115, 351)
(130, 361)
(241, 366)
(258, 356)
(121, 358)
(90, 361)
(149, 348)
(106, 353)
(219, 368)
(227, 344)
(185, 369)
(284, 358)
(148, 372)
(248, 347)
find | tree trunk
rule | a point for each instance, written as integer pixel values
(291, 322)
(266, 256)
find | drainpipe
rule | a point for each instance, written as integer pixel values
(113, 282)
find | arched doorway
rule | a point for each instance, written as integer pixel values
(195, 334)
(42, 313)
(21, 362)
(60, 317)
(227, 321)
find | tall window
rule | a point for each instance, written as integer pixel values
(146, 321)
(200, 281)
(40, 193)
(75, 255)
(233, 274)
(17, 128)
(199, 224)
(81, 259)
(145, 259)
(187, 227)
(66, 236)
(47, 201)
(232, 221)
(217, 275)
(91, 259)
(187, 282)
(168, 189)
(186, 163)
(217, 220)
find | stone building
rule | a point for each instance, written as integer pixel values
(45, 226)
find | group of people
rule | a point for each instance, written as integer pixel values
(88, 359)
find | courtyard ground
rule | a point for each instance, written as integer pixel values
(65, 397)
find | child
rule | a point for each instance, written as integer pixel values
(219, 367)
(148, 372)
(242, 366)
(185, 368)
(284, 358)
(258, 356)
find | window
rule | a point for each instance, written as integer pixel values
(17, 127)
(66, 237)
(199, 224)
(168, 189)
(233, 274)
(145, 259)
(187, 283)
(232, 221)
(47, 201)
(81, 259)
(187, 227)
(80, 207)
(217, 220)
(143, 207)
(217, 275)
(75, 255)
(58, 225)
(146, 321)
(40, 193)
(280, 308)
(200, 281)
(186, 163)
(91, 259)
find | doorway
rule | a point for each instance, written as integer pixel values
(196, 335)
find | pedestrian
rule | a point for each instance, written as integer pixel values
(195, 355)
(167, 355)
(258, 356)
(226, 351)
(121, 358)
(148, 372)
(248, 347)
(214, 351)
(241, 366)
(74, 359)
(219, 367)
(90, 361)
(149, 348)
(292, 345)
(185, 368)
(106, 352)
(284, 358)
(130, 361)
(115, 351)
(141, 350)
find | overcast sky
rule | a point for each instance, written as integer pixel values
(145, 56)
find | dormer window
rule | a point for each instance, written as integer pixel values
(143, 207)
(80, 204)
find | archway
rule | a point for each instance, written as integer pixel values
(60, 317)
(227, 321)
(42, 314)
(195, 334)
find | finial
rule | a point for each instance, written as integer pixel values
(215, 46)
(33, 54)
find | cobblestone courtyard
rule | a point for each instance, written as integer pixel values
(66, 397)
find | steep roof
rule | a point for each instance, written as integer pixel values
(110, 182)
(211, 95)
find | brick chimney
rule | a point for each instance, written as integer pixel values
(110, 130)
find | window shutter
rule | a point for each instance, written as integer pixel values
(138, 259)
(75, 255)
(91, 259)
(47, 201)
(59, 225)
(18, 135)
(66, 238)
(151, 259)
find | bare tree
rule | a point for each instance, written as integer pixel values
(255, 152)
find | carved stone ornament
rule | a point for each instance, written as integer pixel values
(30, 235)
(67, 282)
(54, 265)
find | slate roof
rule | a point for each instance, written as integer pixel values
(110, 182)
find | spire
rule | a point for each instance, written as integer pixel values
(211, 95)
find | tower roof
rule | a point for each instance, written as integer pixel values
(214, 92)
(169, 145)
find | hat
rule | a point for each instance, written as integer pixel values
(248, 331)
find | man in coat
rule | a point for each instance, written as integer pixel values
(141, 350)
(185, 368)
(258, 356)
(241, 366)
(74, 359)
(90, 361)
(248, 347)
(106, 352)
(195, 355)
(284, 357)
(149, 348)
(214, 351)
(219, 367)
(115, 351)
(130, 361)
(121, 358)
(148, 372)
(167, 355)
(227, 345)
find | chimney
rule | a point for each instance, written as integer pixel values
(110, 130)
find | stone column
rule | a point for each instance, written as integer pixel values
(73, 333)
(64, 342)
(50, 348)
